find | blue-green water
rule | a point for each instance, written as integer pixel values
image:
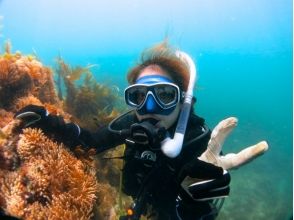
(243, 51)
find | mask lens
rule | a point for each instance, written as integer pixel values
(136, 95)
(166, 94)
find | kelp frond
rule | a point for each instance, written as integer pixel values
(68, 75)
(85, 99)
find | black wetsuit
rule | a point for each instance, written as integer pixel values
(148, 168)
(148, 175)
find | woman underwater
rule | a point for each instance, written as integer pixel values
(172, 160)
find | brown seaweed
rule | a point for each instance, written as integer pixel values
(22, 76)
(91, 103)
(42, 179)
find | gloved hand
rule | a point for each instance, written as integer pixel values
(7, 217)
(38, 116)
(32, 114)
(204, 181)
(202, 190)
(229, 161)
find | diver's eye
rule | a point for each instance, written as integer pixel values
(166, 94)
(136, 95)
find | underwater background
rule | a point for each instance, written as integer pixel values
(244, 56)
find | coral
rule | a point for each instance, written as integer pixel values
(49, 183)
(5, 117)
(22, 76)
(13, 82)
(26, 100)
(23, 81)
(9, 159)
(94, 105)
(42, 179)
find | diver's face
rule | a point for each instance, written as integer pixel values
(165, 93)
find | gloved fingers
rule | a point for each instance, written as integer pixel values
(202, 170)
(213, 194)
(231, 161)
(56, 121)
(30, 114)
(203, 186)
(40, 110)
(72, 130)
(29, 118)
(220, 133)
(202, 190)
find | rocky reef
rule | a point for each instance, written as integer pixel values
(41, 178)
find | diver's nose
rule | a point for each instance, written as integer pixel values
(150, 104)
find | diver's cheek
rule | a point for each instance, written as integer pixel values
(167, 121)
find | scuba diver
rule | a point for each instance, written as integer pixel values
(164, 139)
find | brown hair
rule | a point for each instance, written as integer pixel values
(165, 57)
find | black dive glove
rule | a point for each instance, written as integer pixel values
(207, 181)
(202, 190)
(38, 117)
(7, 217)
(32, 114)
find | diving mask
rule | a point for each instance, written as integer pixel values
(153, 94)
